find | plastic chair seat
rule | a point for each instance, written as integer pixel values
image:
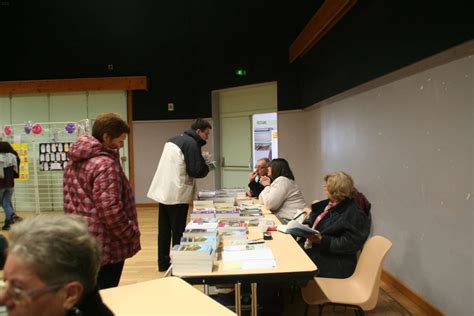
(361, 289)
(338, 291)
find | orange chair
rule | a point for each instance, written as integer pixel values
(361, 290)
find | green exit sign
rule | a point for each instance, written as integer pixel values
(240, 72)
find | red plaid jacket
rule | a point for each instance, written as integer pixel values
(96, 188)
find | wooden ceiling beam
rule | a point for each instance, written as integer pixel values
(74, 85)
(330, 12)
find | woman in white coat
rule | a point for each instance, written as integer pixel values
(281, 194)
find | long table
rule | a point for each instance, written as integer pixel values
(166, 296)
(292, 264)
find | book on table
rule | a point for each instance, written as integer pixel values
(212, 241)
(193, 251)
(231, 224)
(248, 257)
(296, 228)
(244, 201)
(194, 232)
(203, 212)
(202, 223)
(250, 213)
(234, 235)
(192, 258)
(203, 203)
(224, 199)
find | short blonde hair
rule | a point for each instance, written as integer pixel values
(340, 185)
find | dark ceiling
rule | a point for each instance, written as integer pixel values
(189, 48)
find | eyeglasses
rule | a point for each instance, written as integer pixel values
(22, 297)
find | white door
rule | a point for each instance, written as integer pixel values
(236, 107)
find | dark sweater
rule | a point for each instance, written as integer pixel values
(91, 305)
(344, 229)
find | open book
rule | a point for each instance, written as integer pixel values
(296, 228)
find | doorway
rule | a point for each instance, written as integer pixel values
(233, 109)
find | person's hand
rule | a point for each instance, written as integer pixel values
(315, 238)
(207, 156)
(265, 181)
(252, 176)
(249, 193)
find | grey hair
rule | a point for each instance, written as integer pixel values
(264, 159)
(59, 248)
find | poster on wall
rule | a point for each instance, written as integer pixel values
(22, 150)
(264, 136)
(53, 156)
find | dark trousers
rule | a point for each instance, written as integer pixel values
(171, 224)
(109, 275)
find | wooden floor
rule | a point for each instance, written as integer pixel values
(143, 267)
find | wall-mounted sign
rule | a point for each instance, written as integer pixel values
(53, 156)
(22, 150)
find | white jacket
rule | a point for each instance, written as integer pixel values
(180, 163)
(283, 197)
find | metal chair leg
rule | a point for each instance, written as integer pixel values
(321, 309)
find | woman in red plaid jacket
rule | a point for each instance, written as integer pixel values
(96, 188)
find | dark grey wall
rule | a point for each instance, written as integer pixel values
(189, 48)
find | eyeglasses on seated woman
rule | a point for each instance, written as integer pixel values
(51, 268)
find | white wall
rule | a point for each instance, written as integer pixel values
(293, 146)
(409, 146)
(149, 137)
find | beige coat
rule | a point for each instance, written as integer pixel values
(283, 197)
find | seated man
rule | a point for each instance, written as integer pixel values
(51, 268)
(255, 187)
(343, 226)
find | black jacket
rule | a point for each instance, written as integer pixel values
(190, 144)
(91, 305)
(344, 229)
(256, 188)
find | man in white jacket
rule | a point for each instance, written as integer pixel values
(173, 185)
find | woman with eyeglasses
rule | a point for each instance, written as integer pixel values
(51, 269)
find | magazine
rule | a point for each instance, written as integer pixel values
(296, 228)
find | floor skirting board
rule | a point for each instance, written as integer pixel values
(409, 293)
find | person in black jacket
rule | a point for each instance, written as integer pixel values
(343, 228)
(51, 268)
(9, 165)
(261, 169)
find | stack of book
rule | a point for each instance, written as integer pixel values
(201, 227)
(212, 241)
(226, 211)
(249, 213)
(245, 201)
(203, 212)
(192, 258)
(226, 225)
(203, 204)
(232, 235)
(247, 256)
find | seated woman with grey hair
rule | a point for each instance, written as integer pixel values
(343, 228)
(51, 268)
